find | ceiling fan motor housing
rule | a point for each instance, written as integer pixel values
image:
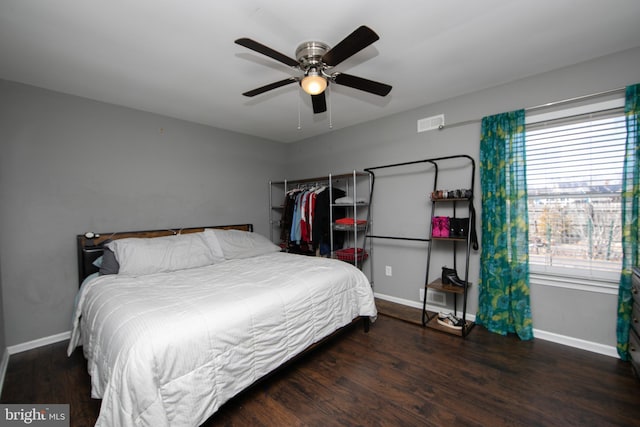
(309, 55)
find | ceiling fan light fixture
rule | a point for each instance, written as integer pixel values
(314, 83)
(314, 61)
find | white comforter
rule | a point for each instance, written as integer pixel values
(168, 349)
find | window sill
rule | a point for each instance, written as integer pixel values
(598, 285)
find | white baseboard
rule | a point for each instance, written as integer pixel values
(40, 342)
(594, 347)
(4, 363)
(414, 304)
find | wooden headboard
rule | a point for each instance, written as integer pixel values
(89, 249)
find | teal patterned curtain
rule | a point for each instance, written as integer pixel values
(630, 230)
(504, 273)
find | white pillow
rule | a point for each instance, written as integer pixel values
(236, 244)
(210, 238)
(138, 256)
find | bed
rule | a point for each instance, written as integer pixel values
(195, 316)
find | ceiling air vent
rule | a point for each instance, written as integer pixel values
(430, 123)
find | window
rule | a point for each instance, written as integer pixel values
(574, 181)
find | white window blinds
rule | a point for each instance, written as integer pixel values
(574, 180)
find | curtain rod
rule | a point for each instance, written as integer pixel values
(539, 107)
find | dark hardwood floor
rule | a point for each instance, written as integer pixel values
(398, 374)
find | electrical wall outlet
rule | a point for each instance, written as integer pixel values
(421, 294)
(388, 271)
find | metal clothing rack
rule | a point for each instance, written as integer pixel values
(434, 162)
(351, 184)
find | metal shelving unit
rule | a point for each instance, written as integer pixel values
(357, 186)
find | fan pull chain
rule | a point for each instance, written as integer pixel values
(299, 121)
(330, 119)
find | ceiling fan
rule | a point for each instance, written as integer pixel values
(315, 60)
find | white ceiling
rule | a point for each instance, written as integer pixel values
(178, 58)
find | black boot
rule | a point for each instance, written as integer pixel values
(455, 280)
(450, 277)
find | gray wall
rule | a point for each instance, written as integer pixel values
(3, 340)
(71, 165)
(402, 209)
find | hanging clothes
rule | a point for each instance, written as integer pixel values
(306, 224)
(322, 224)
(287, 216)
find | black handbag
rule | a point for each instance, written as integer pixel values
(459, 228)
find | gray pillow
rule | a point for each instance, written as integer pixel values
(109, 262)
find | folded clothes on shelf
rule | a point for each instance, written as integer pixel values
(350, 221)
(347, 200)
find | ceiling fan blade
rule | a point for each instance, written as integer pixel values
(319, 103)
(270, 86)
(260, 48)
(362, 37)
(362, 84)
